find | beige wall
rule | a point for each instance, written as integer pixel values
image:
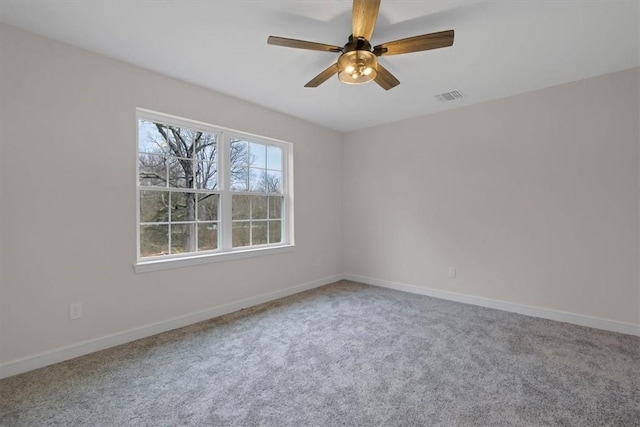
(533, 198)
(68, 198)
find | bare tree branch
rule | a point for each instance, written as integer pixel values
(152, 175)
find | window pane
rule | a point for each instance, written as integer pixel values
(206, 175)
(258, 155)
(274, 158)
(207, 236)
(240, 207)
(150, 140)
(183, 207)
(258, 207)
(180, 140)
(274, 182)
(239, 179)
(241, 234)
(275, 207)
(206, 149)
(180, 172)
(183, 238)
(259, 233)
(239, 155)
(152, 170)
(154, 240)
(275, 231)
(154, 206)
(208, 207)
(257, 180)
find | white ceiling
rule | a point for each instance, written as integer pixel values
(501, 48)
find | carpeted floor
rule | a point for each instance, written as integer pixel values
(344, 355)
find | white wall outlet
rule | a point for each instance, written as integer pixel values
(75, 311)
(452, 272)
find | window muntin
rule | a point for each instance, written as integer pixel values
(188, 172)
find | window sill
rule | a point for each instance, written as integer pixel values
(164, 264)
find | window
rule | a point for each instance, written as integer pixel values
(204, 191)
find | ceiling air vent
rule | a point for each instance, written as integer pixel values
(450, 96)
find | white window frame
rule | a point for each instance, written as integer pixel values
(225, 251)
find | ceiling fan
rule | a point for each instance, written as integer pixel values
(358, 61)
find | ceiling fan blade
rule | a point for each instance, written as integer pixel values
(323, 76)
(302, 44)
(385, 79)
(415, 44)
(363, 17)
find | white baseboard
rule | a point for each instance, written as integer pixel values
(545, 313)
(19, 366)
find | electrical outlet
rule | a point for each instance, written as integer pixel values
(452, 272)
(75, 311)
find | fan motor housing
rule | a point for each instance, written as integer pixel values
(358, 43)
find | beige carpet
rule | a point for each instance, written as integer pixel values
(344, 355)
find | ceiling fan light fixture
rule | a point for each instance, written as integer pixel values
(357, 67)
(358, 62)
